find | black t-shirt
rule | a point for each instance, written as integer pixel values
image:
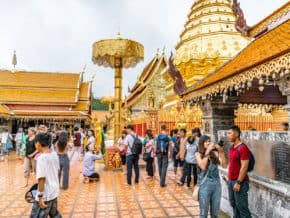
(30, 146)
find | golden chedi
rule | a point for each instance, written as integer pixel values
(208, 40)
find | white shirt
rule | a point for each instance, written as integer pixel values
(129, 140)
(48, 167)
(91, 140)
(82, 138)
(4, 137)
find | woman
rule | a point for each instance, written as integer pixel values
(208, 157)
(91, 139)
(23, 144)
(122, 149)
(62, 146)
(190, 167)
(149, 151)
(18, 139)
(30, 152)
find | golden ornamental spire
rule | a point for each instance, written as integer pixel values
(14, 59)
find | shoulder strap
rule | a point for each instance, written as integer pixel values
(204, 178)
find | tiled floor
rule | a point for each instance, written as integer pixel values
(110, 197)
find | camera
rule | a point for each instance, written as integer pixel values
(221, 143)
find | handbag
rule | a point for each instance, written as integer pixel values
(146, 156)
(196, 188)
(122, 153)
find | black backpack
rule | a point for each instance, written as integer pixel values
(137, 145)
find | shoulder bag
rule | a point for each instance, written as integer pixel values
(196, 188)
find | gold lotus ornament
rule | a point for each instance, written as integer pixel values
(117, 53)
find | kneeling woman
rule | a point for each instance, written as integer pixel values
(208, 157)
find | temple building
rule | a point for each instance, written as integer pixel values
(54, 99)
(209, 39)
(253, 90)
(146, 96)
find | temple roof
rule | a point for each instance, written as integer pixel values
(146, 76)
(23, 87)
(29, 94)
(279, 15)
(267, 47)
(4, 111)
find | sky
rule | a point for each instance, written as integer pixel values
(57, 35)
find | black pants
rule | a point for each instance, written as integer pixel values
(149, 166)
(94, 176)
(188, 170)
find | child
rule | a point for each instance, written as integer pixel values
(89, 165)
(47, 176)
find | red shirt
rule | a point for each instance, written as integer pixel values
(77, 139)
(235, 161)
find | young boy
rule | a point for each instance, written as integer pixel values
(89, 165)
(47, 176)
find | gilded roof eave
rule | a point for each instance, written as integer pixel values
(276, 42)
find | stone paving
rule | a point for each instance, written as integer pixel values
(110, 197)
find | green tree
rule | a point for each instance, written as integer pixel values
(97, 105)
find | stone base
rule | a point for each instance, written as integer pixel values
(267, 197)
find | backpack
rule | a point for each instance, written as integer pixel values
(137, 145)
(162, 144)
(251, 160)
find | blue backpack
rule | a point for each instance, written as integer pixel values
(251, 160)
(162, 144)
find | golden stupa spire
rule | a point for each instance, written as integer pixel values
(14, 59)
(209, 39)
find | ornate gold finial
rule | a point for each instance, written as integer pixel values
(118, 35)
(163, 50)
(93, 77)
(14, 59)
(157, 52)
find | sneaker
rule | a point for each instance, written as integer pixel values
(180, 183)
(163, 186)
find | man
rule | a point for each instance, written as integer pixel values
(163, 148)
(77, 148)
(89, 171)
(47, 177)
(239, 156)
(131, 159)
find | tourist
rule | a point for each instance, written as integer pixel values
(23, 144)
(149, 153)
(163, 148)
(181, 145)
(18, 138)
(76, 144)
(6, 144)
(89, 171)
(190, 167)
(239, 156)
(122, 150)
(91, 139)
(82, 141)
(47, 179)
(30, 152)
(62, 145)
(131, 159)
(175, 143)
(208, 157)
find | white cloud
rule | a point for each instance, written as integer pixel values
(53, 35)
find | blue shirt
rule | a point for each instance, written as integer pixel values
(89, 163)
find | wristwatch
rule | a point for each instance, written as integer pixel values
(239, 182)
(40, 194)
